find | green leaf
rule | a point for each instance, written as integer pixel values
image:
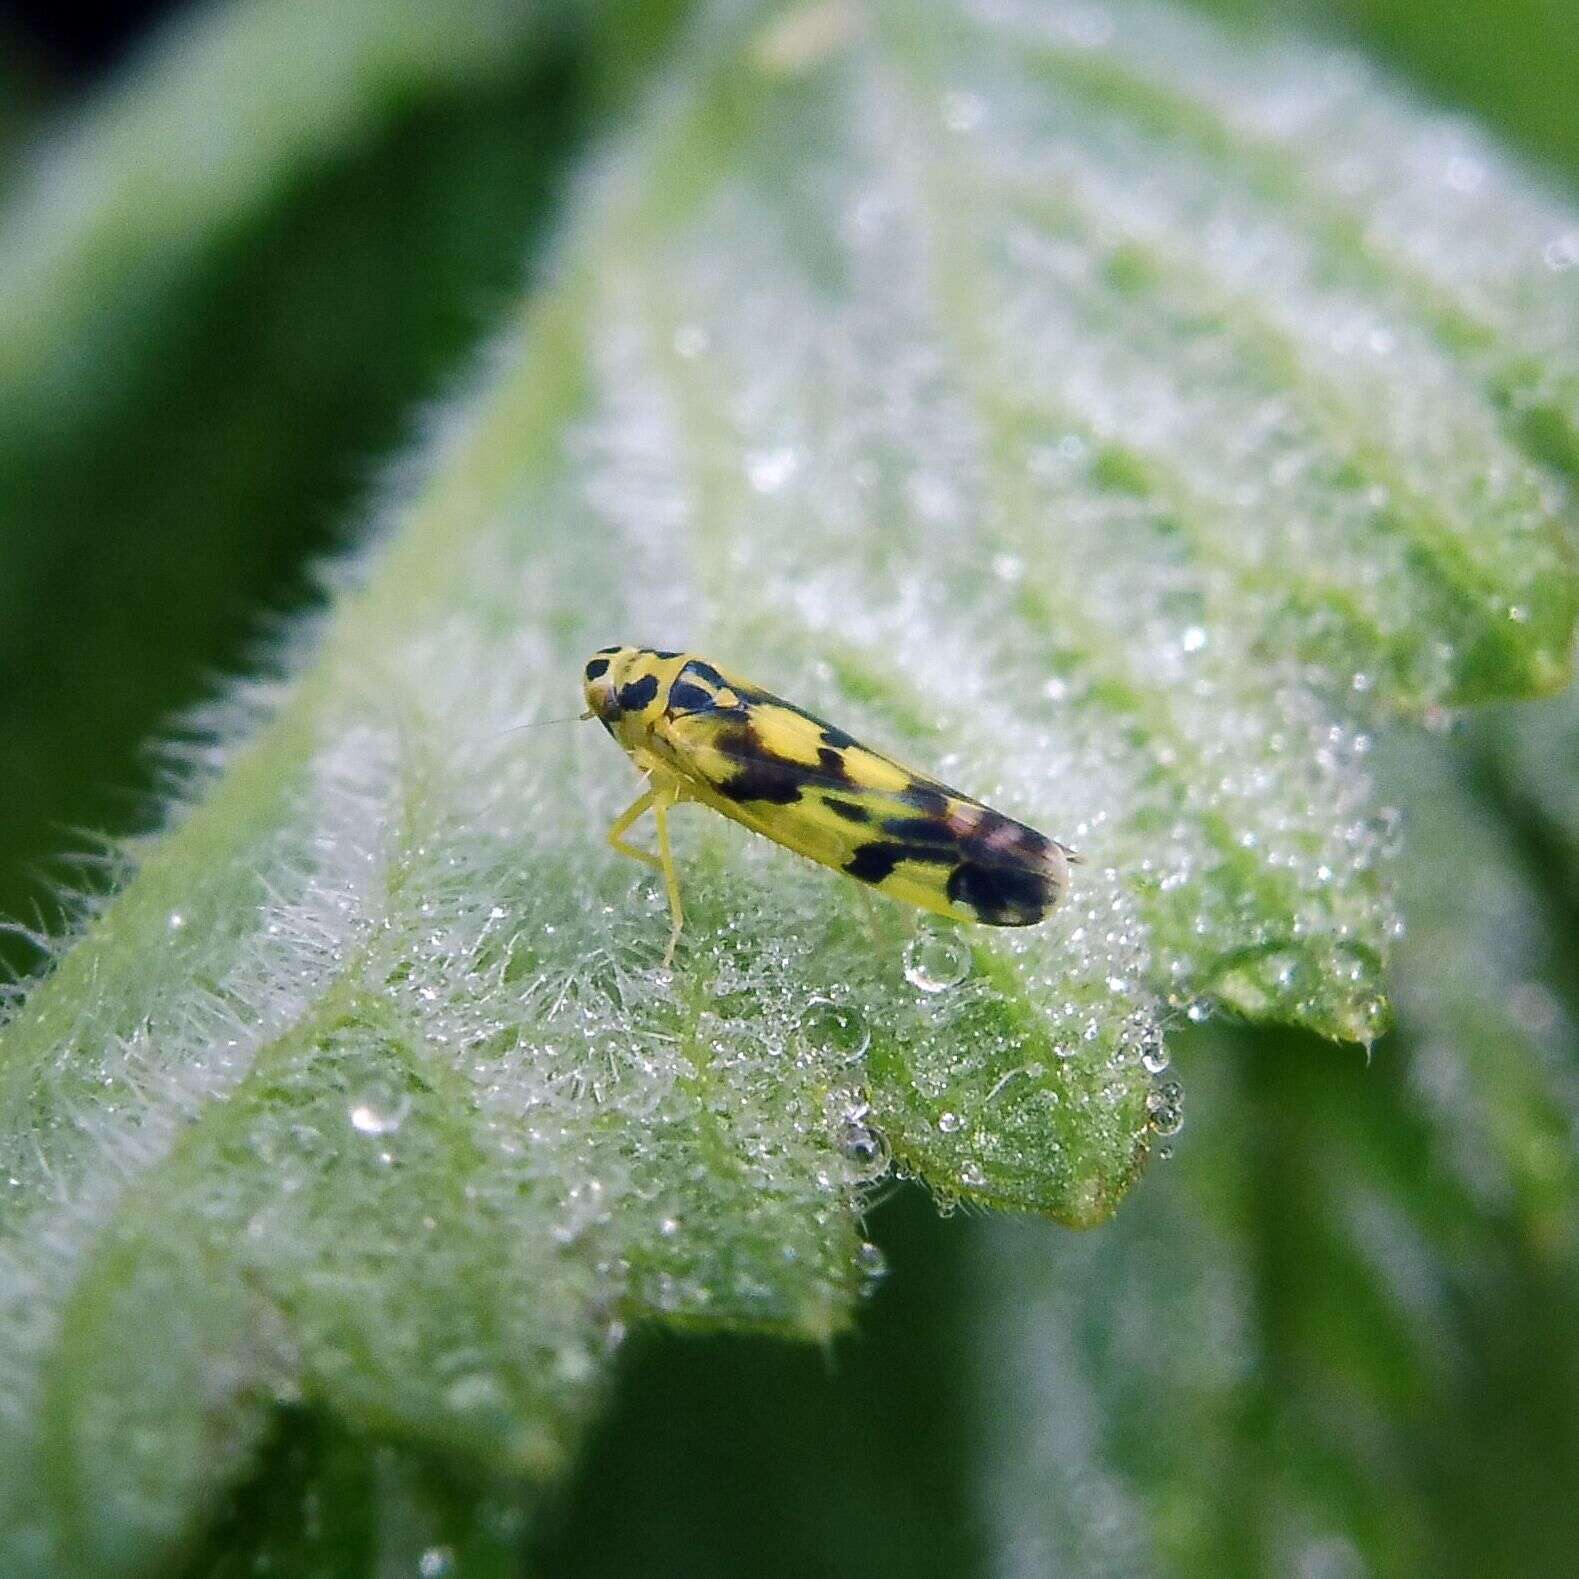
(322, 1506)
(1332, 1334)
(943, 370)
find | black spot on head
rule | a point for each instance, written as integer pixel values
(851, 811)
(837, 738)
(636, 694)
(597, 667)
(919, 830)
(685, 698)
(609, 650)
(873, 862)
(659, 653)
(1002, 896)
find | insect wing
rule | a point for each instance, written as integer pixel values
(814, 789)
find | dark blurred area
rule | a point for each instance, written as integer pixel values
(72, 41)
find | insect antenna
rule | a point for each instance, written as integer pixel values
(537, 723)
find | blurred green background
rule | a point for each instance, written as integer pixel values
(151, 537)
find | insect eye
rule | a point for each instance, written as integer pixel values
(597, 668)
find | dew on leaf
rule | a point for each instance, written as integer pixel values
(936, 961)
(379, 1110)
(871, 1263)
(830, 1027)
(1165, 1108)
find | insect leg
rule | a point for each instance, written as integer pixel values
(633, 813)
(671, 880)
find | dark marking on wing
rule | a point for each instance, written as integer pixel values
(920, 830)
(1001, 896)
(1025, 844)
(929, 800)
(997, 840)
(877, 860)
(597, 668)
(850, 810)
(873, 862)
(760, 775)
(685, 698)
(700, 669)
(778, 783)
(836, 737)
(636, 694)
(832, 764)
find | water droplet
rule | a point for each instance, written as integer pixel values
(1153, 1050)
(934, 961)
(831, 1027)
(1371, 1016)
(950, 1123)
(437, 1562)
(871, 1263)
(865, 1147)
(1165, 1108)
(379, 1110)
(973, 1175)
